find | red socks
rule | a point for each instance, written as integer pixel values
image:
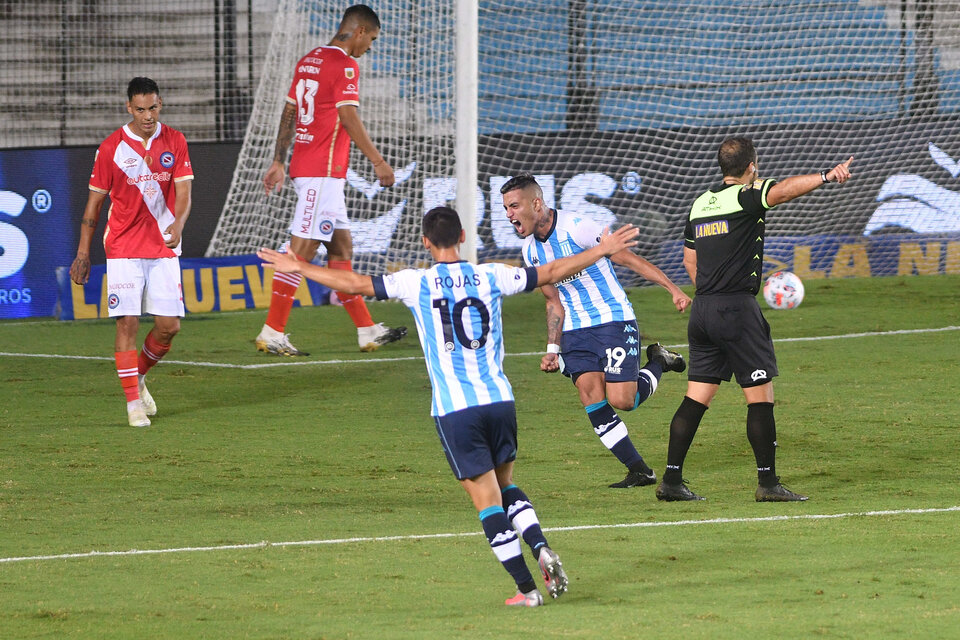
(127, 370)
(281, 302)
(355, 306)
(151, 353)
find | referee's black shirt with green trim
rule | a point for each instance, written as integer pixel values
(726, 228)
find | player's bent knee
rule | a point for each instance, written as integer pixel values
(622, 404)
(165, 331)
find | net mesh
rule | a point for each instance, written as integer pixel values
(406, 103)
(619, 108)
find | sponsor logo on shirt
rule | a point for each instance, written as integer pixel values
(162, 176)
(304, 135)
(711, 205)
(306, 68)
(350, 88)
(569, 279)
(718, 228)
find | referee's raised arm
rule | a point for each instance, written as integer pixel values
(796, 186)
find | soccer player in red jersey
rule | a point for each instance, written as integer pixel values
(144, 167)
(321, 109)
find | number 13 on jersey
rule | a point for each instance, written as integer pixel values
(306, 99)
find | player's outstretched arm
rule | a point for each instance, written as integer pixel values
(610, 243)
(347, 282)
(650, 272)
(796, 186)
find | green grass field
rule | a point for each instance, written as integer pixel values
(310, 498)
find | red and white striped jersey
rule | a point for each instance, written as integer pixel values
(140, 177)
(325, 79)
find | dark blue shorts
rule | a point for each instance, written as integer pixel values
(478, 439)
(613, 348)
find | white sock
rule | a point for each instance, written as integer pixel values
(270, 333)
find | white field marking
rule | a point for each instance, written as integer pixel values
(429, 536)
(295, 363)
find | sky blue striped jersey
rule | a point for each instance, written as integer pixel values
(593, 296)
(457, 307)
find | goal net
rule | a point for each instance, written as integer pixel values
(407, 105)
(619, 108)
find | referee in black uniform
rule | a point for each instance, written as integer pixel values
(728, 335)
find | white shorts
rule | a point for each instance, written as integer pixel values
(321, 208)
(144, 285)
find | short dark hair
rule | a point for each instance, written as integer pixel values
(141, 86)
(364, 14)
(735, 155)
(442, 227)
(519, 181)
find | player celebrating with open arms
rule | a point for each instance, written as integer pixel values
(457, 307)
(592, 333)
(145, 168)
(321, 108)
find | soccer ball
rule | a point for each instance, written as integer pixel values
(783, 290)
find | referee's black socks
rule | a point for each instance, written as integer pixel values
(762, 433)
(683, 427)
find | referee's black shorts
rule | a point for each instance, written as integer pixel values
(728, 335)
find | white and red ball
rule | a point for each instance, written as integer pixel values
(783, 290)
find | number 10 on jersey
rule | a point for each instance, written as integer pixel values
(452, 322)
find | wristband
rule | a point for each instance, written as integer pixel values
(553, 348)
(823, 176)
